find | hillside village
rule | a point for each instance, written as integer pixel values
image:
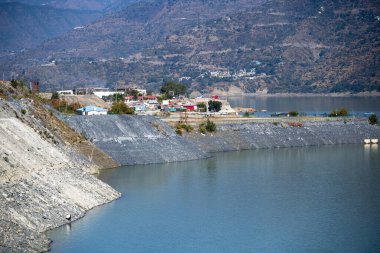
(141, 102)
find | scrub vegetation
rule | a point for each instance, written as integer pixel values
(208, 126)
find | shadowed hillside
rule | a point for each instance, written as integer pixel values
(24, 26)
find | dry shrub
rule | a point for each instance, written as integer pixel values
(295, 124)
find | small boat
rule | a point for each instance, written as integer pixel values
(374, 141)
(367, 141)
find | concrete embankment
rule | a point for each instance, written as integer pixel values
(41, 181)
(145, 139)
(135, 139)
(230, 137)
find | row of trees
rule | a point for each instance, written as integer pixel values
(213, 106)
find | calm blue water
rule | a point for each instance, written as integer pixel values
(312, 105)
(315, 199)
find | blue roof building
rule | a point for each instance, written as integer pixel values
(91, 110)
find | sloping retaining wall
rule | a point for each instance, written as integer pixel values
(135, 139)
(230, 137)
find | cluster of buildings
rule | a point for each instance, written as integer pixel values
(142, 103)
(99, 92)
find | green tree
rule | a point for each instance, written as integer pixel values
(373, 119)
(121, 108)
(133, 92)
(182, 126)
(339, 113)
(210, 126)
(343, 112)
(293, 113)
(55, 95)
(17, 83)
(117, 97)
(214, 106)
(202, 107)
(171, 89)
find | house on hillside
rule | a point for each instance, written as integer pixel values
(190, 108)
(91, 110)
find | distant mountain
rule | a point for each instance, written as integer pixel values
(137, 27)
(24, 26)
(268, 45)
(280, 46)
(94, 5)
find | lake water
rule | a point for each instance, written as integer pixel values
(311, 199)
(309, 105)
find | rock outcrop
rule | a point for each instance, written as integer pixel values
(41, 182)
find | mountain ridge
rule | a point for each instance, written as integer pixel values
(279, 46)
(91, 5)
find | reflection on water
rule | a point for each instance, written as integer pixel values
(315, 199)
(307, 104)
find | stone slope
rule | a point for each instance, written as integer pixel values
(135, 139)
(231, 137)
(40, 183)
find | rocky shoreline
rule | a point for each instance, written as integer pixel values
(131, 140)
(233, 137)
(45, 175)
(144, 139)
(43, 179)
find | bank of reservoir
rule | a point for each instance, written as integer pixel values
(306, 199)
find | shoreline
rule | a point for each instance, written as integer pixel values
(126, 140)
(360, 94)
(43, 177)
(267, 135)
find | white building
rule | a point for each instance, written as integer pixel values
(66, 92)
(91, 110)
(105, 92)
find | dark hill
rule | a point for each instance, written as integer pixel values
(26, 26)
(94, 5)
(280, 46)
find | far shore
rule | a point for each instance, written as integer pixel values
(345, 94)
